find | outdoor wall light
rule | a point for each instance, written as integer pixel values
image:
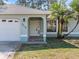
(23, 19)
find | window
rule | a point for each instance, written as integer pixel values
(16, 20)
(51, 26)
(9, 20)
(65, 27)
(3, 20)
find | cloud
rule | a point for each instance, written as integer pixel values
(7, 2)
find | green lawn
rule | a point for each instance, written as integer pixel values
(55, 49)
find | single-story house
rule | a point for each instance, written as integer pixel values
(27, 25)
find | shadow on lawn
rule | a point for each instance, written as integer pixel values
(52, 44)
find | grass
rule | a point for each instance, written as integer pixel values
(55, 49)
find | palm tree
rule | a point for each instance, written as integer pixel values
(51, 1)
(75, 6)
(62, 14)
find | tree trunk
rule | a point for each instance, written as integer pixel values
(59, 34)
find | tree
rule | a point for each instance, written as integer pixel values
(62, 14)
(2, 2)
(52, 1)
(75, 6)
(38, 4)
(21, 2)
(31, 3)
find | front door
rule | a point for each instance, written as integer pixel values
(34, 27)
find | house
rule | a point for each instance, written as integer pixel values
(28, 25)
(22, 24)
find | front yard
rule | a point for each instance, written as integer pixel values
(55, 49)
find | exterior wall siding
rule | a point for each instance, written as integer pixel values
(71, 25)
(23, 32)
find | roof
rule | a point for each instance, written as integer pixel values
(17, 9)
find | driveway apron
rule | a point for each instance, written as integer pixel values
(7, 49)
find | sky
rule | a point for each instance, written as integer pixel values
(10, 1)
(13, 1)
(68, 2)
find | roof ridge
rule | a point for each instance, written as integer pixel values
(18, 9)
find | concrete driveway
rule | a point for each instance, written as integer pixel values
(7, 49)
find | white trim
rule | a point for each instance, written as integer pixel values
(24, 36)
(71, 32)
(44, 28)
(75, 33)
(44, 35)
(51, 33)
(56, 26)
(65, 32)
(26, 19)
(34, 34)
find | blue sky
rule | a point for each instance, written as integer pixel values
(13, 1)
(68, 1)
(10, 1)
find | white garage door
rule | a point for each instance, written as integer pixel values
(9, 30)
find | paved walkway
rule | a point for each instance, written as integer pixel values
(7, 50)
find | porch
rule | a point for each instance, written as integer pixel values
(36, 40)
(35, 30)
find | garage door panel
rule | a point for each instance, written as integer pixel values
(10, 31)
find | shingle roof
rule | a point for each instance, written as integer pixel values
(16, 9)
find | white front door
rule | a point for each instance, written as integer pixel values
(9, 30)
(34, 27)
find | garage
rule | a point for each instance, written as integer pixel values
(9, 30)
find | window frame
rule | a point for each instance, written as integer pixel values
(52, 30)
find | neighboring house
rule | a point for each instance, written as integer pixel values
(28, 25)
